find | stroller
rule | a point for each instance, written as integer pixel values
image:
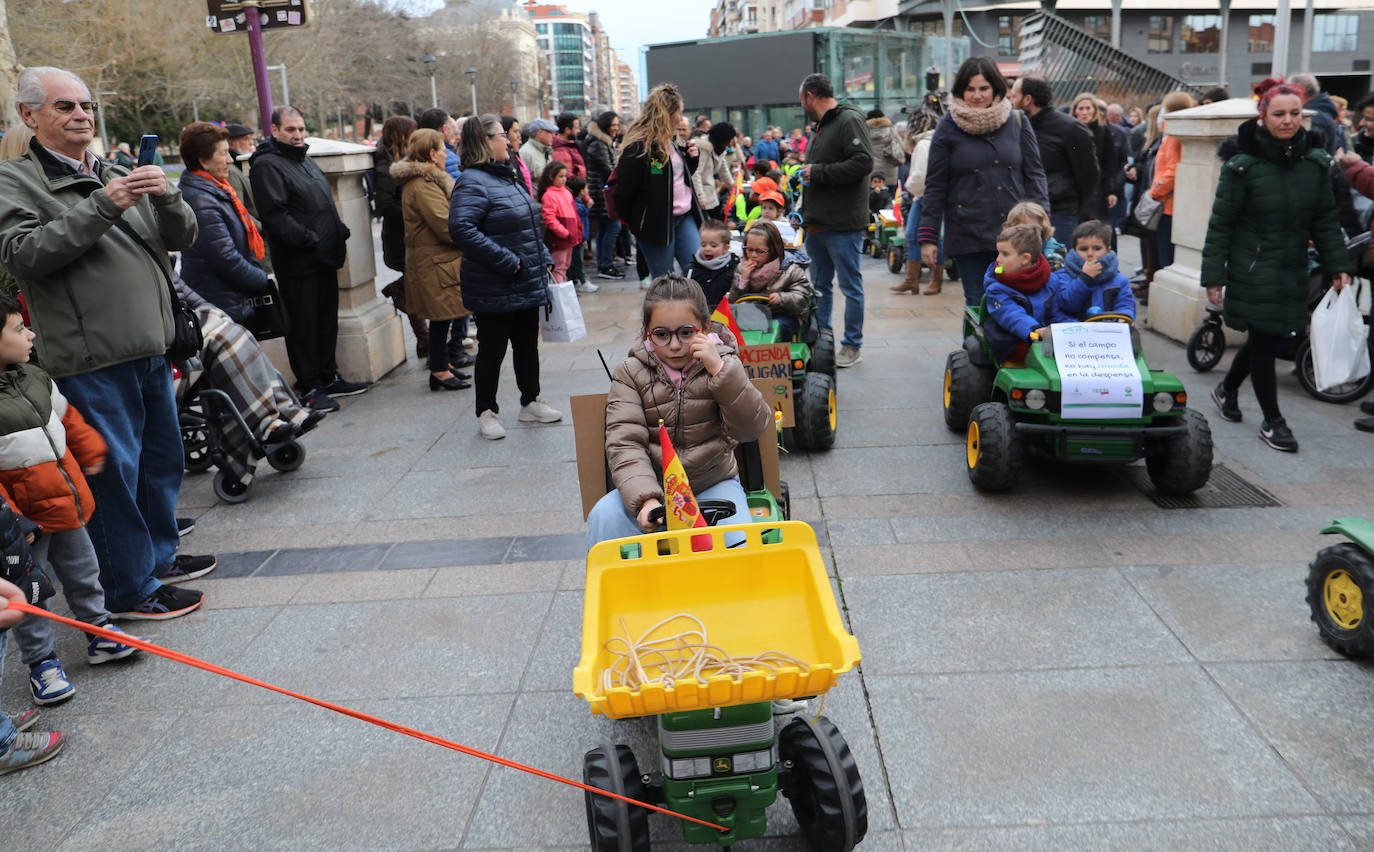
(1207, 344)
(205, 412)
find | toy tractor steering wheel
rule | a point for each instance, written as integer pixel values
(1111, 316)
(753, 297)
(714, 511)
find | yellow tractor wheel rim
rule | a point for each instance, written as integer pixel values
(830, 404)
(949, 379)
(972, 444)
(1344, 601)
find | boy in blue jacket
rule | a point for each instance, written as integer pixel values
(1019, 298)
(1089, 283)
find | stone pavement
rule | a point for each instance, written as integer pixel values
(1065, 666)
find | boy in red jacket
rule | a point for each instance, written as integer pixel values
(45, 446)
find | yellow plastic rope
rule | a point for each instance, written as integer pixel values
(687, 653)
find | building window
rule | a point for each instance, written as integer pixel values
(1161, 38)
(1008, 35)
(1261, 33)
(1201, 33)
(542, 29)
(1335, 32)
(1098, 26)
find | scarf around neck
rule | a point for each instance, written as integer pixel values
(714, 263)
(255, 244)
(761, 276)
(1028, 280)
(1074, 263)
(979, 121)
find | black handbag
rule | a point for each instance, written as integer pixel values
(268, 318)
(187, 338)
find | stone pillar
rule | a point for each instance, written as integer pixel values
(1177, 298)
(371, 337)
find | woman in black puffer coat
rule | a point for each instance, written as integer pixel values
(601, 156)
(506, 267)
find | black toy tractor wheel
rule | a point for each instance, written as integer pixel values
(613, 825)
(823, 353)
(951, 270)
(1206, 346)
(816, 412)
(1307, 377)
(993, 447)
(287, 457)
(785, 504)
(896, 259)
(1340, 591)
(1185, 463)
(823, 785)
(966, 385)
(229, 489)
(877, 246)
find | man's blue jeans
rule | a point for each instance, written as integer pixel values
(1063, 227)
(836, 254)
(134, 529)
(682, 245)
(7, 730)
(606, 232)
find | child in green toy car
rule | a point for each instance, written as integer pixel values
(1019, 298)
(1030, 213)
(683, 370)
(1090, 283)
(768, 270)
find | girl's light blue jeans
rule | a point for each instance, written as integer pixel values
(609, 518)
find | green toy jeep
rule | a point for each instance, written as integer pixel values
(1010, 410)
(812, 369)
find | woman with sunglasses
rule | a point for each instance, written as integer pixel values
(506, 267)
(684, 371)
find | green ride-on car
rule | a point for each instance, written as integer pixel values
(812, 369)
(1008, 411)
(1340, 589)
(889, 241)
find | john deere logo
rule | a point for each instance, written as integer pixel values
(721, 766)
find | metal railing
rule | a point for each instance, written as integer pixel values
(1074, 61)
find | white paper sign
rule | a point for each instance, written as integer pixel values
(1097, 370)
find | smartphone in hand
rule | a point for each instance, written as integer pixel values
(147, 149)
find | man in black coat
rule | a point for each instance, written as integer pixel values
(1067, 152)
(1325, 114)
(308, 245)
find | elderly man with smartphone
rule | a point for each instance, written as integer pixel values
(88, 241)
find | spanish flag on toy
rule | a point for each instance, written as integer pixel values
(680, 508)
(725, 317)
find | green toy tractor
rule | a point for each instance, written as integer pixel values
(1340, 589)
(889, 241)
(1009, 411)
(812, 370)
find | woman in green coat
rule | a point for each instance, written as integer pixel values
(1272, 198)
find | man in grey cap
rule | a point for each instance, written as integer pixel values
(538, 150)
(241, 145)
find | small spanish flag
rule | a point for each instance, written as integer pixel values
(680, 504)
(897, 205)
(723, 315)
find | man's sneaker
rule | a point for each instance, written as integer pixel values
(318, 400)
(645, 282)
(539, 411)
(848, 357)
(1365, 424)
(49, 683)
(24, 719)
(1226, 402)
(311, 420)
(167, 602)
(489, 426)
(1277, 435)
(102, 650)
(586, 287)
(31, 749)
(185, 526)
(610, 274)
(339, 387)
(1367, 407)
(186, 567)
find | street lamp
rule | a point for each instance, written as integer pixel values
(100, 108)
(472, 84)
(514, 96)
(433, 89)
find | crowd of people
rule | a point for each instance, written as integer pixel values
(1024, 200)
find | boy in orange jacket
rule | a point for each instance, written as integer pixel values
(45, 446)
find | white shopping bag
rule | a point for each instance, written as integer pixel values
(560, 321)
(1340, 348)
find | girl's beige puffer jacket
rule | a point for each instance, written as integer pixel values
(706, 419)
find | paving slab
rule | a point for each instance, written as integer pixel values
(1240, 835)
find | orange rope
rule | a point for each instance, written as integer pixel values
(142, 645)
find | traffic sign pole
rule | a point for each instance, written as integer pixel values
(259, 64)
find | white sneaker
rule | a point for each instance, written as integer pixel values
(788, 706)
(587, 287)
(645, 282)
(539, 411)
(489, 426)
(848, 357)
